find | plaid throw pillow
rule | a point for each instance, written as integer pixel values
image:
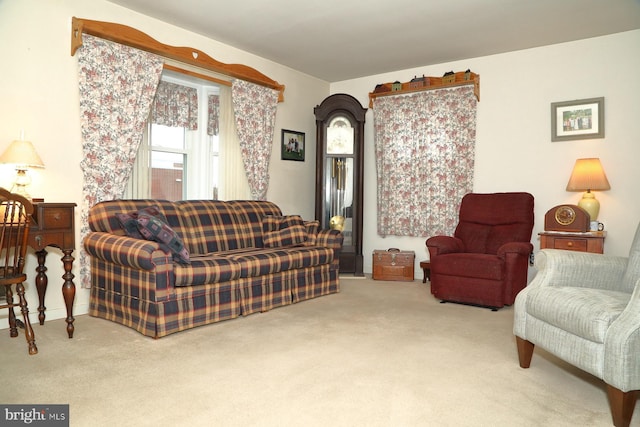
(312, 232)
(271, 223)
(153, 228)
(129, 221)
(280, 231)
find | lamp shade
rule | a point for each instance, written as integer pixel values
(22, 153)
(588, 175)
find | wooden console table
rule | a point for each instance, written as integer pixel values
(53, 225)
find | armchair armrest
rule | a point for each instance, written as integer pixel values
(126, 251)
(579, 269)
(622, 346)
(440, 245)
(518, 248)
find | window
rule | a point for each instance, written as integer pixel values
(176, 162)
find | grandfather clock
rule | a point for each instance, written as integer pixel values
(339, 174)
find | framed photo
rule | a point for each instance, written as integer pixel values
(292, 145)
(579, 119)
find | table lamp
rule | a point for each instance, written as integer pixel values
(588, 175)
(22, 154)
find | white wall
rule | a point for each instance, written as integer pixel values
(39, 93)
(514, 151)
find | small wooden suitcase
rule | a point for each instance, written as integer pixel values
(393, 264)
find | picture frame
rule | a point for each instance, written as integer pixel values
(578, 119)
(292, 145)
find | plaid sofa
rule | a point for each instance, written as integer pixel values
(231, 271)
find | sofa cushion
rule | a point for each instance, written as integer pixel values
(206, 269)
(216, 225)
(584, 312)
(129, 220)
(271, 223)
(153, 228)
(290, 236)
(103, 215)
(261, 261)
(282, 231)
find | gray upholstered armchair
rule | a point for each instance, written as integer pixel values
(585, 309)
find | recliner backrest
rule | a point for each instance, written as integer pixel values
(488, 221)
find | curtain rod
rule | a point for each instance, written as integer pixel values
(135, 38)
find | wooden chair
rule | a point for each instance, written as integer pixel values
(15, 216)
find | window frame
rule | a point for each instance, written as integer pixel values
(198, 167)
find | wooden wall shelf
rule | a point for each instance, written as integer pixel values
(430, 83)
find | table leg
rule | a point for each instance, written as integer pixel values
(68, 289)
(41, 283)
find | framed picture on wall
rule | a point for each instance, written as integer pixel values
(579, 119)
(292, 145)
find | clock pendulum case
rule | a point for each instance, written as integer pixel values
(339, 174)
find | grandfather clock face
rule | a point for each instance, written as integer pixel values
(340, 136)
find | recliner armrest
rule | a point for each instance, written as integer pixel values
(439, 245)
(520, 248)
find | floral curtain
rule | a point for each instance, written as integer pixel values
(425, 151)
(117, 84)
(175, 105)
(233, 179)
(213, 116)
(255, 109)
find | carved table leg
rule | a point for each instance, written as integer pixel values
(68, 289)
(41, 283)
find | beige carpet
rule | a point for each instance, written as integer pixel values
(376, 354)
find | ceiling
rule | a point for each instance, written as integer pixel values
(337, 40)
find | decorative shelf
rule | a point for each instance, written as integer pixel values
(419, 84)
(135, 38)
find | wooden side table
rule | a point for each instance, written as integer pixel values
(53, 226)
(590, 241)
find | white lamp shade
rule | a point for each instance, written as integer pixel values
(22, 153)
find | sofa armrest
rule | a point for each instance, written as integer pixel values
(579, 269)
(440, 245)
(126, 251)
(330, 239)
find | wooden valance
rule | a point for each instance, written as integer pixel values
(428, 83)
(132, 37)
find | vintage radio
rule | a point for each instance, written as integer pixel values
(393, 264)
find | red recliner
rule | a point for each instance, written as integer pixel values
(485, 263)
